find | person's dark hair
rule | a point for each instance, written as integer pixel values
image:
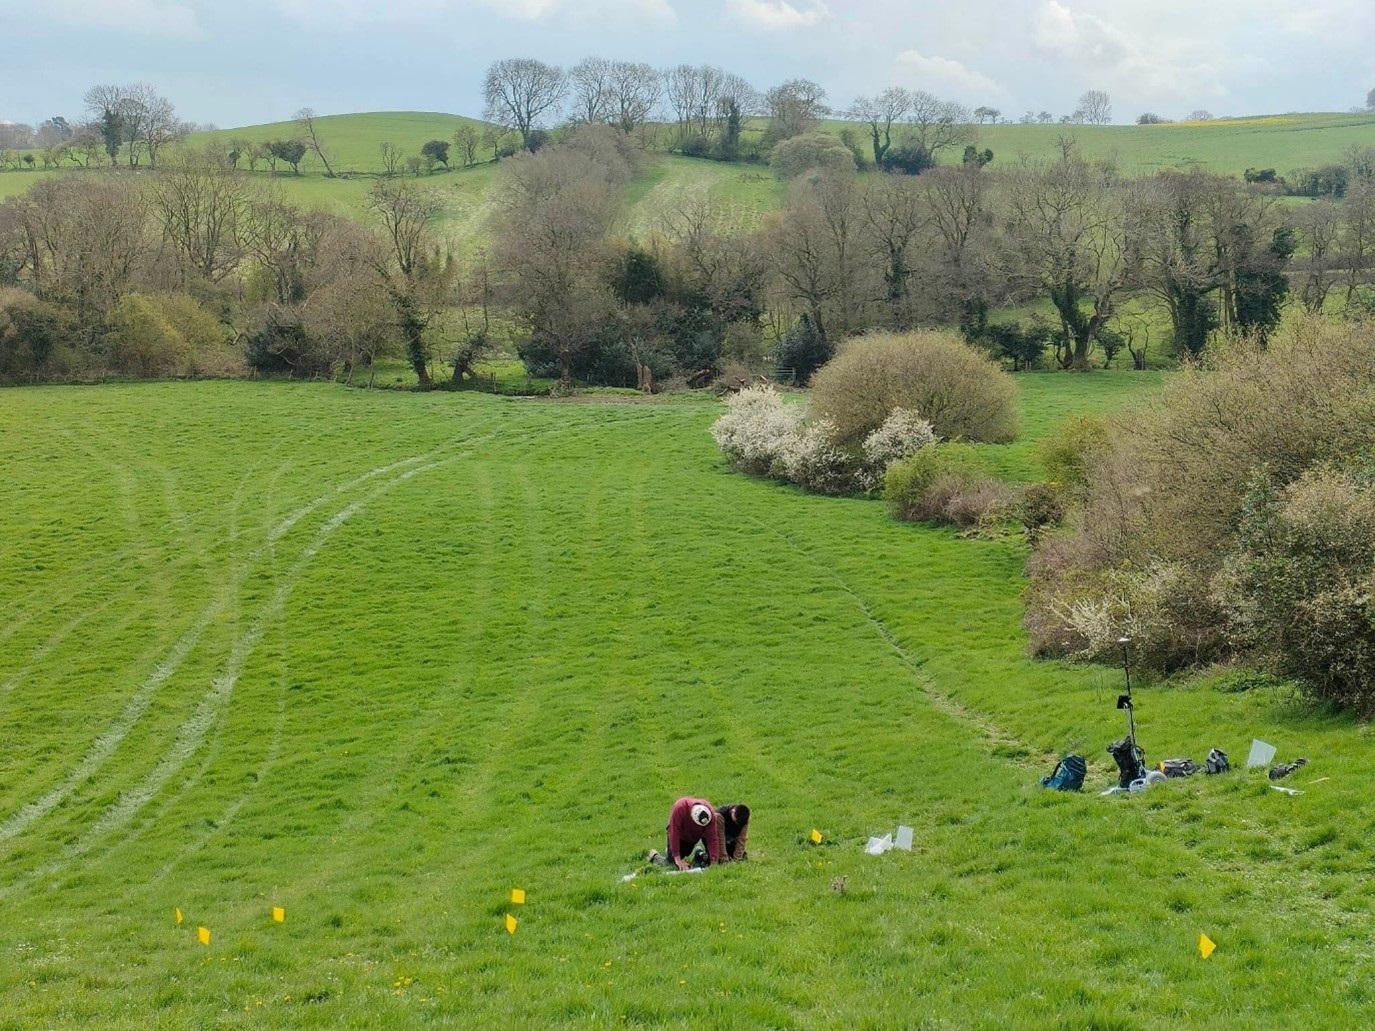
(735, 815)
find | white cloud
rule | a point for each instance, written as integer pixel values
(355, 12)
(141, 17)
(777, 14)
(1144, 64)
(655, 11)
(944, 73)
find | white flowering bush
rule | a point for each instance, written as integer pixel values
(757, 429)
(902, 434)
(812, 460)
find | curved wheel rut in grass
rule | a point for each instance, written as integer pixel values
(193, 732)
(106, 744)
(1002, 740)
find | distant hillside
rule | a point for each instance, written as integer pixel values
(353, 142)
(1228, 146)
(744, 193)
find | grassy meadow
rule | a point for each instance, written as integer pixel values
(378, 658)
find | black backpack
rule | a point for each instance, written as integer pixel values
(1068, 774)
(1130, 759)
(1179, 767)
(1217, 762)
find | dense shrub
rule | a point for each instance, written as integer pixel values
(763, 435)
(757, 429)
(803, 349)
(169, 335)
(1065, 454)
(30, 332)
(810, 150)
(902, 435)
(812, 460)
(908, 159)
(962, 393)
(1041, 505)
(946, 484)
(1169, 495)
(1300, 589)
(143, 342)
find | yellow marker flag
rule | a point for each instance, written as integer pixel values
(178, 913)
(510, 924)
(518, 896)
(1206, 946)
(279, 914)
(203, 933)
(816, 836)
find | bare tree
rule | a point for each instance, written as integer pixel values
(346, 309)
(1320, 226)
(694, 93)
(818, 253)
(554, 210)
(590, 83)
(1068, 227)
(198, 201)
(306, 121)
(936, 125)
(161, 126)
(414, 273)
(519, 91)
(795, 107)
(123, 114)
(729, 270)
(1095, 108)
(84, 243)
(1200, 114)
(391, 157)
(1357, 240)
(879, 114)
(896, 213)
(634, 90)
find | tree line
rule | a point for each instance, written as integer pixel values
(300, 292)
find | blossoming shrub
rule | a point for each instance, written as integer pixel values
(757, 429)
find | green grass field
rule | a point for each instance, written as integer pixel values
(1227, 146)
(379, 658)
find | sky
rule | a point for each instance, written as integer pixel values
(252, 61)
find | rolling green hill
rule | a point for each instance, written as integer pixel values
(1227, 146)
(744, 193)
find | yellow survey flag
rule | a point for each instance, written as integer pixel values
(178, 912)
(816, 836)
(518, 896)
(510, 924)
(1206, 946)
(203, 933)
(278, 914)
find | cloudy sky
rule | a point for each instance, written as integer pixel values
(236, 62)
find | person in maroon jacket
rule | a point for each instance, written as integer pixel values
(692, 820)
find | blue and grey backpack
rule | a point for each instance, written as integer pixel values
(1068, 774)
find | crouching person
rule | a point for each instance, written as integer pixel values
(692, 821)
(735, 828)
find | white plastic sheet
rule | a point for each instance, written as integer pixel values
(878, 846)
(1261, 754)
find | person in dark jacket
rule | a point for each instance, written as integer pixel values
(692, 821)
(735, 828)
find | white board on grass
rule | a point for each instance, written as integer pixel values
(1261, 754)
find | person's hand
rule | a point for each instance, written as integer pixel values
(681, 864)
